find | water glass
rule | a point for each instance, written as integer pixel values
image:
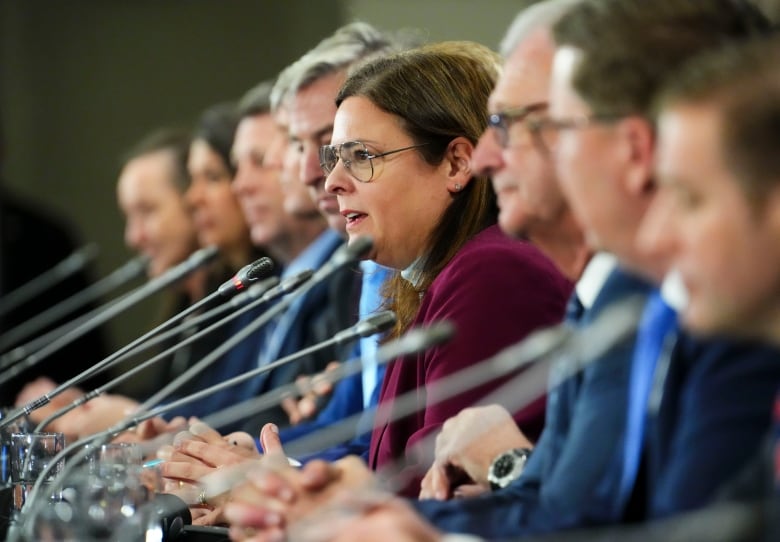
(31, 454)
(22, 425)
(100, 502)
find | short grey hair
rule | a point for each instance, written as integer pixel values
(349, 44)
(542, 15)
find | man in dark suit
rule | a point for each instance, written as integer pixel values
(299, 241)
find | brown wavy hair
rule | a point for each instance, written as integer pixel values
(439, 92)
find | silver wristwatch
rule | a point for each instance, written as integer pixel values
(507, 467)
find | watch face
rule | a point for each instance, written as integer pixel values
(507, 467)
(504, 465)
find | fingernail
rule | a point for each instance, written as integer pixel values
(165, 453)
(274, 428)
(199, 428)
(181, 437)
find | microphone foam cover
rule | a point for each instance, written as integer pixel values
(259, 269)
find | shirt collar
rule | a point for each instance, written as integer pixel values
(413, 273)
(673, 291)
(594, 276)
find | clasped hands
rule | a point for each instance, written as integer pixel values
(274, 501)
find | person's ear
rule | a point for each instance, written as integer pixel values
(638, 135)
(457, 162)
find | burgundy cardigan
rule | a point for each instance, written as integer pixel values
(495, 291)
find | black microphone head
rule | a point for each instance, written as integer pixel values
(259, 269)
(246, 275)
(416, 340)
(376, 323)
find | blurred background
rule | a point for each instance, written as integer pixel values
(82, 80)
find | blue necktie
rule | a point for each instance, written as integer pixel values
(658, 321)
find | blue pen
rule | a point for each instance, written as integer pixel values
(152, 463)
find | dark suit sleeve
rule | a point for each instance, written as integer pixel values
(574, 472)
(715, 425)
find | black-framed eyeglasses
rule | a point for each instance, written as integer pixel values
(502, 121)
(356, 157)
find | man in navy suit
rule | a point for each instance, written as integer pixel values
(715, 217)
(298, 241)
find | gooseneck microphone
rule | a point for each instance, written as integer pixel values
(270, 288)
(196, 260)
(245, 276)
(344, 255)
(586, 344)
(21, 358)
(71, 265)
(127, 272)
(413, 341)
(376, 323)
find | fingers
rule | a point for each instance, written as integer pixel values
(243, 440)
(426, 486)
(435, 484)
(308, 406)
(246, 515)
(469, 491)
(183, 470)
(290, 407)
(206, 433)
(316, 475)
(215, 455)
(250, 535)
(155, 427)
(312, 389)
(269, 439)
(211, 517)
(321, 383)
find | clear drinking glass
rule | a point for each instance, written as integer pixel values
(100, 502)
(22, 425)
(31, 453)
